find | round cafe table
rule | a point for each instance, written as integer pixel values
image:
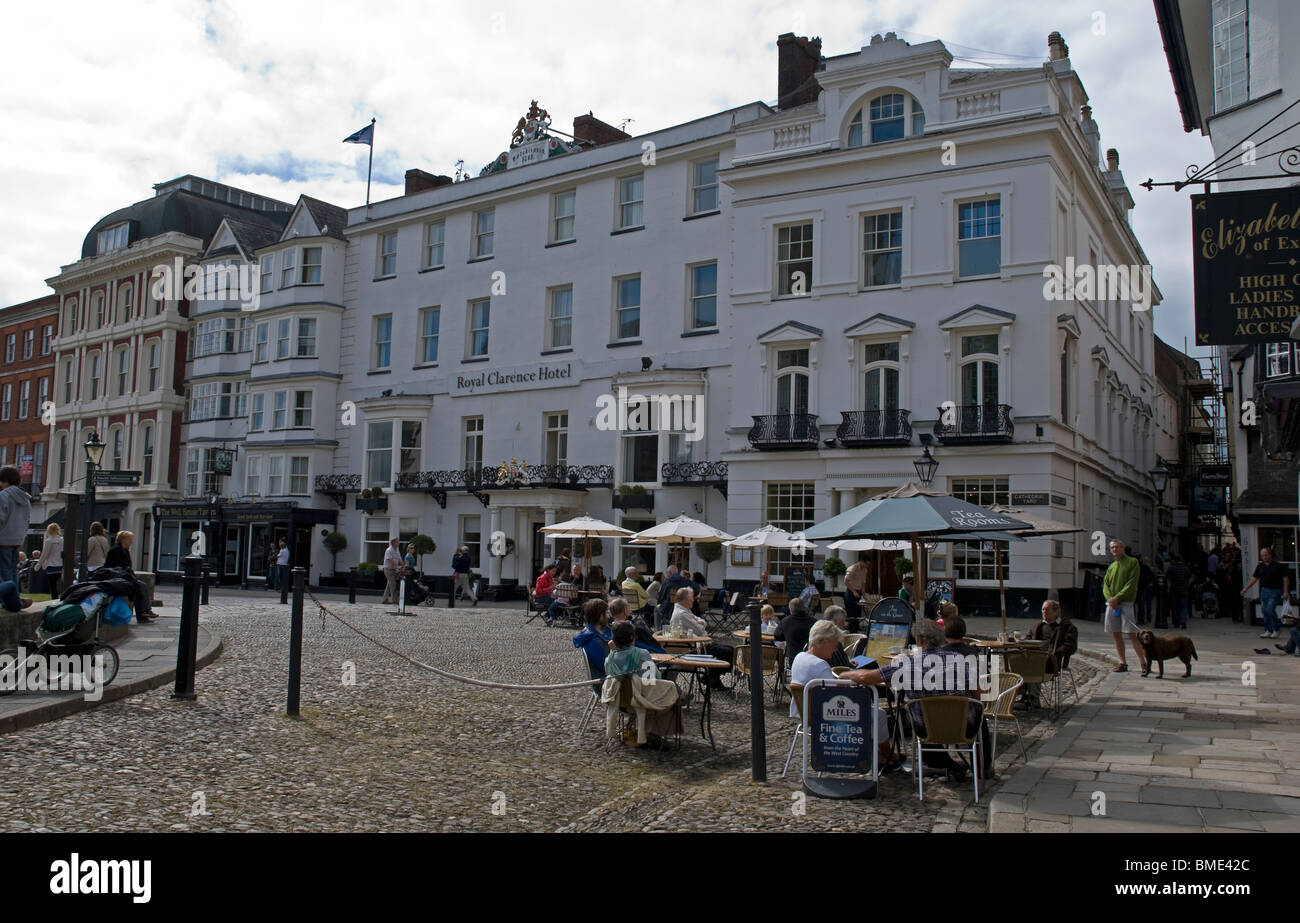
(700, 669)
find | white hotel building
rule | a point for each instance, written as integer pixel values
(823, 275)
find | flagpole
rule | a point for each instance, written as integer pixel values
(371, 162)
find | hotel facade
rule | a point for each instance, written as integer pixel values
(756, 316)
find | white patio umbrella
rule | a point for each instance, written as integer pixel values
(770, 536)
(681, 530)
(585, 528)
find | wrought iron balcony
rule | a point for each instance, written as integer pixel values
(874, 427)
(477, 481)
(338, 486)
(704, 473)
(784, 431)
(976, 423)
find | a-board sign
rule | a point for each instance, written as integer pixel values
(796, 578)
(842, 728)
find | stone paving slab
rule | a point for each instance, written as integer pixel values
(1204, 754)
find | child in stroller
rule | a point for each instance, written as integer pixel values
(419, 588)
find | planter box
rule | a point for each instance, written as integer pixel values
(645, 501)
(372, 504)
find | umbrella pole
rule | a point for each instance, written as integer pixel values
(1002, 590)
(916, 572)
(586, 560)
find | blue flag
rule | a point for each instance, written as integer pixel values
(364, 136)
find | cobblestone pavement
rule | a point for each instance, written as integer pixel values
(404, 750)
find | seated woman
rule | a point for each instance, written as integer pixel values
(119, 556)
(655, 703)
(824, 639)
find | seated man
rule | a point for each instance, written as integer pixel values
(838, 617)
(683, 617)
(809, 596)
(645, 639)
(594, 638)
(794, 629)
(824, 639)
(1060, 639)
(634, 593)
(954, 633)
(935, 671)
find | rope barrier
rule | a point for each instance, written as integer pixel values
(432, 669)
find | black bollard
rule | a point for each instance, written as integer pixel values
(352, 585)
(188, 639)
(757, 717)
(207, 574)
(451, 593)
(295, 641)
(284, 584)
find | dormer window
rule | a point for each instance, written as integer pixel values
(887, 117)
(109, 239)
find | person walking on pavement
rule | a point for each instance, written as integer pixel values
(15, 515)
(460, 568)
(282, 565)
(1119, 586)
(52, 557)
(1179, 576)
(272, 567)
(1274, 581)
(393, 564)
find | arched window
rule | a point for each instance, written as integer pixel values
(886, 117)
(99, 310)
(155, 364)
(979, 370)
(880, 362)
(792, 381)
(123, 371)
(124, 305)
(70, 317)
(146, 459)
(92, 392)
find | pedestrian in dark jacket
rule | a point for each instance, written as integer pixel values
(668, 595)
(794, 629)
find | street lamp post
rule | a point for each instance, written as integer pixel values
(94, 454)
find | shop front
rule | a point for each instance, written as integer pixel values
(235, 538)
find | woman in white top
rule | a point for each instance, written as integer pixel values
(52, 558)
(96, 547)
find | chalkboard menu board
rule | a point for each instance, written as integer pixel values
(796, 578)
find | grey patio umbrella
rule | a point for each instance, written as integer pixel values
(916, 513)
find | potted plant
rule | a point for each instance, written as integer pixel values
(423, 545)
(335, 542)
(633, 497)
(368, 571)
(902, 566)
(708, 552)
(372, 500)
(833, 569)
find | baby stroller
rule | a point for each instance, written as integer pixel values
(67, 630)
(419, 589)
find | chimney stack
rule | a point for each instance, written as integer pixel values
(798, 60)
(1112, 160)
(419, 181)
(591, 131)
(1057, 50)
(1090, 131)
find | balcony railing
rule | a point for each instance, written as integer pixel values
(784, 431)
(976, 423)
(704, 473)
(571, 477)
(874, 427)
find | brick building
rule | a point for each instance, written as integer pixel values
(26, 379)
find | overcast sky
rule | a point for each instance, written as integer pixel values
(104, 100)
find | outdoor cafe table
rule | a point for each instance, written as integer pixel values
(700, 669)
(667, 641)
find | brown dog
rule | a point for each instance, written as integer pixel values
(1161, 649)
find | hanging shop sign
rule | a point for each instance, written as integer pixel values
(1246, 265)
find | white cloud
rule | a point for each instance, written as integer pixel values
(105, 100)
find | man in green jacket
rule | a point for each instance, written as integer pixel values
(1120, 588)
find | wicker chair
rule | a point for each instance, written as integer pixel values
(1000, 709)
(740, 662)
(946, 719)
